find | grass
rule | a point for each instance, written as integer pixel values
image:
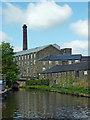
(70, 90)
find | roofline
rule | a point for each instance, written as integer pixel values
(62, 71)
(60, 55)
(43, 72)
(34, 48)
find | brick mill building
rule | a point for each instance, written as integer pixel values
(40, 61)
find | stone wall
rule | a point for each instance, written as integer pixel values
(57, 78)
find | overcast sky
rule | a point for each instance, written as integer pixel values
(65, 24)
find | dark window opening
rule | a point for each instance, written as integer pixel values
(77, 73)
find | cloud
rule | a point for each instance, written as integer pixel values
(17, 48)
(78, 46)
(5, 37)
(80, 28)
(41, 15)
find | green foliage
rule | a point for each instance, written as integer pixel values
(10, 70)
(69, 90)
(38, 82)
(61, 83)
(81, 83)
(6, 87)
(71, 80)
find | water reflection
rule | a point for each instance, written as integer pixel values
(43, 104)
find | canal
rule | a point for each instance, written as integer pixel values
(31, 103)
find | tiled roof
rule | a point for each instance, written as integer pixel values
(61, 57)
(71, 67)
(34, 50)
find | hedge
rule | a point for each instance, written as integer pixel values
(38, 82)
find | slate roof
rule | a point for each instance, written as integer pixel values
(34, 50)
(85, 58)
(61, 57)
(66, 68)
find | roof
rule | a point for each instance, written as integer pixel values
(71, 67)
(85, 58)
(34, 50)
(61, 57)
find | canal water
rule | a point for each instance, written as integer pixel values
(31, 103)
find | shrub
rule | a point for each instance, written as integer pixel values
(61, 83)
(38, 82)
(81, 83)
(71, 80)
(6, 87)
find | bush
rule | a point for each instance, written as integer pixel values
(6, 87)
(71, 80)
(61, 83)
(38, 82)
(81, 83)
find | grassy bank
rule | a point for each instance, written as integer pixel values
(71, 90)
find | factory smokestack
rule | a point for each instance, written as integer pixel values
(24, 37)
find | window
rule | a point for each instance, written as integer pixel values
(63, 62)
(28, 56)
(34, 62)
(24, 70)
(56, 62)
(85, 72)
(34, 70)
(19, 64)
(13, 59)
(25, 56)
(45, 75)
(65, 74)
(76, 61)
(19, 57)
(44, 68)
(56, 74)
(31, 56)
(22, 57)
(60, 74)
(34, 55)
(25, 63)
(22, 63)
(31, 62)
(16, 58)
(50, 63)
(77, 73)
(28, 62)
(44, 63)
(69, 62)
(31, 70)
(28, 70)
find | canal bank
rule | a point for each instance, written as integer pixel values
(63, 90)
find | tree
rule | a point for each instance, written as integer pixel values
(10, 70)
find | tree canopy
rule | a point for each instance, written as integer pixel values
(10, 70)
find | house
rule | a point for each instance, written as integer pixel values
(52, 60)
(61, 72)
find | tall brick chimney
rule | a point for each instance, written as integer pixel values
(24, 37)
